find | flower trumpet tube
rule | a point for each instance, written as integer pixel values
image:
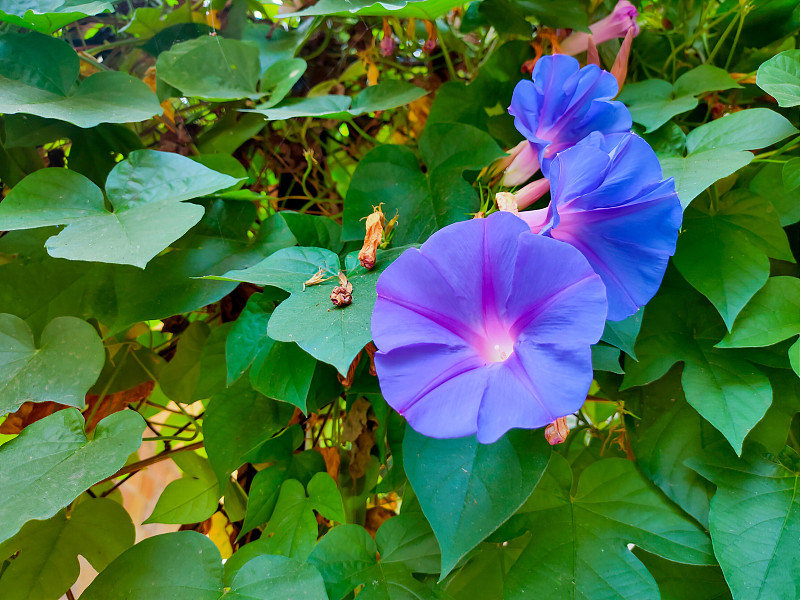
(610, 201)
(563, 103)
(523, 165)
(487, 327)
(616, 25)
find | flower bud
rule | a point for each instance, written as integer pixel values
(506, 202)
(523, 165)
(557, 431)
(616, 25)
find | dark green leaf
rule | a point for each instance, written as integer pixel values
(67, 362)
(59, 463)
(677, 581)
(467, 489)
(47, 564)
(579, 543)
(272, 577)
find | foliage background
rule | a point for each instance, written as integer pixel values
(160, 297)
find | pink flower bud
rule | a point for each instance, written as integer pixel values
(532, 192)
(524, 164)
(557, 431)
(616, 25)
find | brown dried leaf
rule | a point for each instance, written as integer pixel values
(333, 461)
(115, 402)
(356, 420)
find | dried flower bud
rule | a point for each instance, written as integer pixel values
(507, 202)
(557, 431)
(351, 372)
(372, 239)
(387, 41)
(342, 294)
(479, 215)
(371, 350)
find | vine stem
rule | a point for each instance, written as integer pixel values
(139, 465)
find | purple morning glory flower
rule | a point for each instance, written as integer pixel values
(564, 103)
(485, 328)
(609, 199)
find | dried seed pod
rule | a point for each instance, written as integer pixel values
(557, 431)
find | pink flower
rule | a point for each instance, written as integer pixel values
(616, 25)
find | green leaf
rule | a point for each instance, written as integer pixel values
(754, 521)
(606, 358)
(419, 9)
(179, 378)
(347, 558)
(786, 202)
(149, 186)
(237, 422)
(696, 172)
(334, 335)
(38, 75)
(466, 489)
(579, 543)
(67, 362)
(391, 175)
(383, 96)
(703, 79)
(184, 565)
(723, 252)
(677, 581)
(771, 316)
(292, 529)
(213, 68)
(727, 390)
(749, 129)
(408, 539)
(48, 16)
(272, 577)
(59, 463)
(791, 175)
(622, 334)
(282, 463)
(191, 499)
(780, 77)
(282, 370)
(652, 104)
(47, 564)
(667, 432)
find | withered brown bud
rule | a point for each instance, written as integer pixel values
(342, 294)
(371, 350)
(557, 431)
(372, 239)
(479, 215)
(315, 279)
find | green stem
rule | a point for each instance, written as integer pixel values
(450, 68)
(742, 17)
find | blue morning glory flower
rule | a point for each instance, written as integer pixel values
(485, 328)
(564, 103)
(609, 199)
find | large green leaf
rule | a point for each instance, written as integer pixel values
(292, 528)
(66, 364)
(47, 16)
(47, 564)
(466, 489)
(749, 129)
(191, 499)
(39, 73)
(391, 175)
(755, 521)
(780, 77)
(421, 9)
(237, 422)
(723, 252)
(786, 202)
(771, 316)
(383, 96)
(51, 462)
(579, 544)
(282, 463)
(272, 577)
(334, 335)
(678, 581)
(666, 432)
(347, 559)
(653, 102)
(694, 173)
(146, 188)
(727, 390)
(184, 565)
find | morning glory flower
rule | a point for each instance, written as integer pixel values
(564, 103)
(616, 25)
(610, 201)
(485, 328)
